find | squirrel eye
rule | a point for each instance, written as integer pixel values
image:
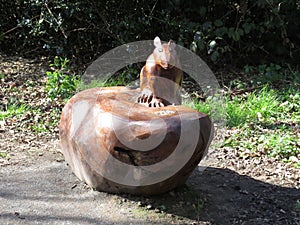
(160, 49)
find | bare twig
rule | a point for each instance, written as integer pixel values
(61, 29)
(18, 26)
(108, 28)
(78, 29)
(242, 91)
(12, 29)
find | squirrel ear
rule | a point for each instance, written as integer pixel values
(157, 42)
(172, 44)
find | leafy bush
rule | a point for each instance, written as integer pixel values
(222, 31)
(273, 74)
(61, 84)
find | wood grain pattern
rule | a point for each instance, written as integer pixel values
(95, 123)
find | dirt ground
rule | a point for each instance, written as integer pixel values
(38, 187)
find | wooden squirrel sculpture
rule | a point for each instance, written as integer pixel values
(161, 77)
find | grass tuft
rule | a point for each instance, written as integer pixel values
(265, 121)
(13, 110)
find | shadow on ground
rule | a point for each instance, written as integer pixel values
(50, 194)
(222, 196)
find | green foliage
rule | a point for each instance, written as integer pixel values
(14, 110)
(264, 106)
(279, 142)
(101, 83)
(298, 205)
(124, 77)
(3, 155)
(34, 118)
(264, 121)
(267, 122)
(257, 106)
(61, 83)
(214, 106)
(273, 74)
(221, 31)
(244, 28)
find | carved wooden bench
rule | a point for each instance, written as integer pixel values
(117, 145)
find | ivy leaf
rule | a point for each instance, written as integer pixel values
(235, 34)
(214, 56)
(218, 23)
(201, 45)
(247, 27)
(240, 31)
(220, 32)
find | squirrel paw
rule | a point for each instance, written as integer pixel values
(147, 98)
(155, 102)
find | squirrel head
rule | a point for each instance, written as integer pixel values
(165, 54)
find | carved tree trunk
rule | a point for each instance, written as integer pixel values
(116, 145)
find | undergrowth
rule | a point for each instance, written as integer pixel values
(61, 82)
(265, 120)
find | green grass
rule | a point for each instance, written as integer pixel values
(13, 110)
(26, 117)
(3, 155)
(263, 106)
(255, 107)
(266, 121)
(214, 106)
(123, 77)
(99, 83)
(279, 143)
(103, 83)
